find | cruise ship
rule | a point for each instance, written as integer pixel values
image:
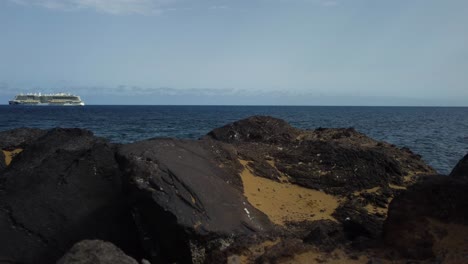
(47, 99)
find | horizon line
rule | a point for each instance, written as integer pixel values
(254, 105)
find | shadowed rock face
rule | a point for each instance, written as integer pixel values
(430, 220)
(19, 137)
(184, 193)
(2, 161)
(65, 186)
(95, 252)
(16, 139)
(461, 169)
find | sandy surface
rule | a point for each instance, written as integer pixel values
(396, 187)
(283, 202)
(9, 155)
(372, 190)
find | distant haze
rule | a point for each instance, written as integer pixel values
(248, 52)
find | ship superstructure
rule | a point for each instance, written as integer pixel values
(64, 99)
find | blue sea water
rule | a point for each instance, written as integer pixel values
(439, 134)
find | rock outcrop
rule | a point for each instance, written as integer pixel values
(254, 191)
(461, 169)
(430, 220)
(184, 195)
(338, 161)
(95, 252)
(13, 141)
(64, 187)
(19, 137)
(256, 129)
(3, 161)
(362, 173)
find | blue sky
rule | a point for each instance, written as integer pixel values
(306, 52)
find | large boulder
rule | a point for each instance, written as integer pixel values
(13, 141)
(96, 252)
(430, 220)
(187, 193)
(64, 187)
(19, 137)
(461, 169)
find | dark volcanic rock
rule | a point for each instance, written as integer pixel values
(16, 139)
(429, 216)
(285, 249)
(95, 252)
(184, 201)
(256, 129)
(338, 168)
(338, 161)
(2, 161)
(184, 193)
(461, 169)
(20, 137)
(357, 222)
(326, 235)
(64, 187)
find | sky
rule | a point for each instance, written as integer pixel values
(238, 52)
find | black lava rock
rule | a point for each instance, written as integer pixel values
(461, 169)
(64, 187)
(183, 194)
(256, 129)
(435, 201)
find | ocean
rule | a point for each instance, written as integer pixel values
(438, 134)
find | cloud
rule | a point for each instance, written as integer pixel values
(142, 7)
(115, 7)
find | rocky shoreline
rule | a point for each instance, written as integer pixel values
(254, 191)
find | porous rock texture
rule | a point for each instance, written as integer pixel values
(95, 252)
(64, 187)
(338, 161)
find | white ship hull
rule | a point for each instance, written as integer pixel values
(47, 100)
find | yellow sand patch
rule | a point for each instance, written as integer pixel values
(9, 155)
(336, 257)
(372, 190)
(411, 178)
(283, 202)
(375, 209)
(397, 187)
